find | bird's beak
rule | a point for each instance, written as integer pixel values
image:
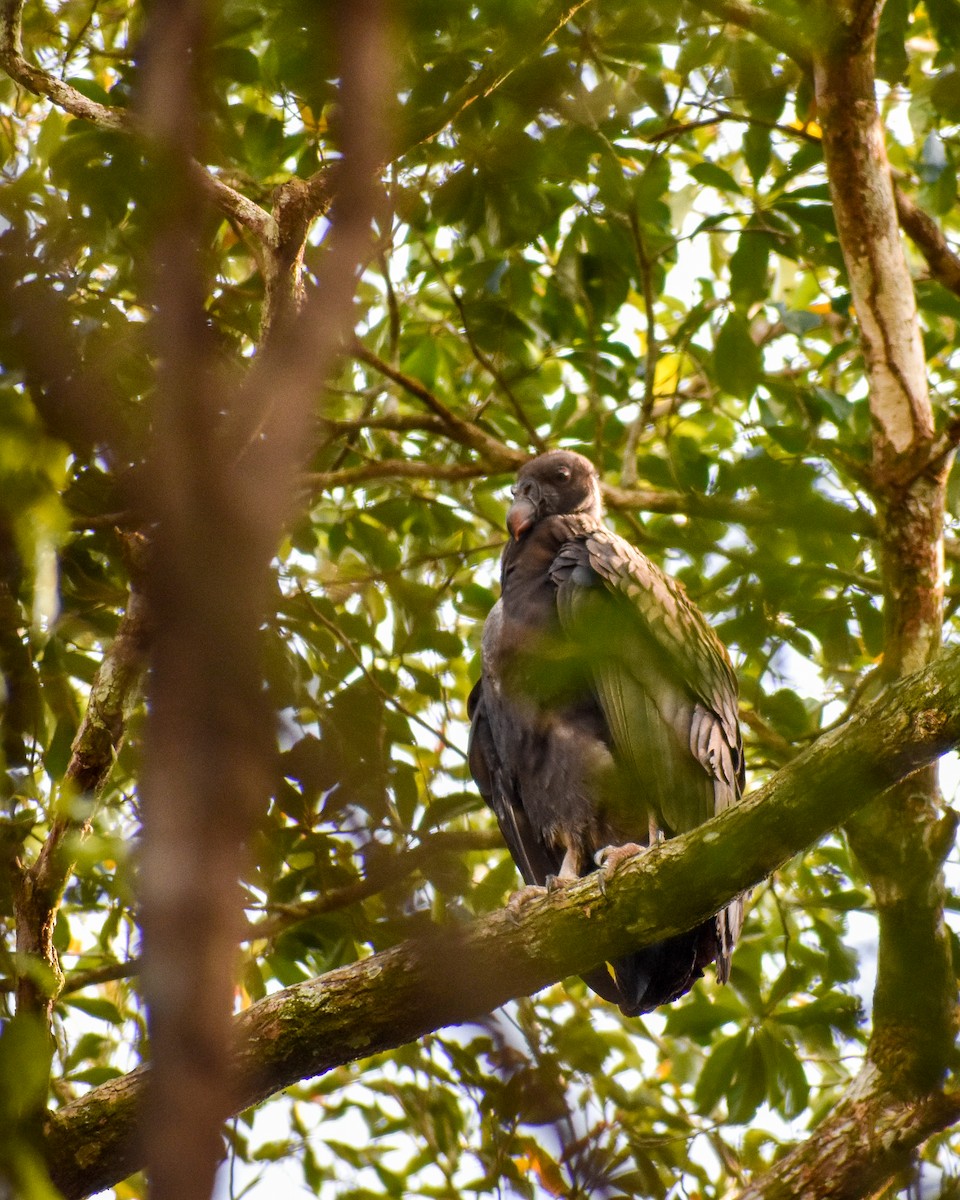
(522, 514)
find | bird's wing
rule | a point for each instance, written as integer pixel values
(662, 677)
(494, 758)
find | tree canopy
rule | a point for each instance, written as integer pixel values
(288, 292)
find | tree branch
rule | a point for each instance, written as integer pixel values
(868, 1139)
(902, 839)
(498, 455)
(927, 236)
(382, 874)
(459, 973)
(769, 26)
(498, 70)
(66, 97)
(39, 888)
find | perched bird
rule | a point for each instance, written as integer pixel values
(605, 716)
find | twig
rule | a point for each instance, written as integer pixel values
(488, 365)
(377, 879)
(381, 691)
(629, 468)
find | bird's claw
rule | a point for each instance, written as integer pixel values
(610, 857)
(519, 898)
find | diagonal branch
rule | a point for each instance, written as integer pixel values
(41, 83)
(498, 454)
(765, 24)
(458, 974)
(869, 1138)
(498, 70)
(927, 236)
(39, 887)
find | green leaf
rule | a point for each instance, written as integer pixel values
(945, 94)
(102, 1010)
(787, 1083)
(738, 362)
(717, 1075)
(757, 151)
(748, 267)
(749, 1086)
(712, 175)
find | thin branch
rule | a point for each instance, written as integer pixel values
(497, 71)
(928, 237)
(669, 132)
(484, 360)
(781, 749)
(384, 696)
(823, 514)
(639, 424)
(391, 468)
(78, 980)
(382, 875)
(391, 423)
(464, 432)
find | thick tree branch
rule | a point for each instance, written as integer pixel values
(43, 84)
(66, 97)
(459, 973)
(862, 193)
(868, 1139)
(39, 887)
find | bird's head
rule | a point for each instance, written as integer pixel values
(555, 484)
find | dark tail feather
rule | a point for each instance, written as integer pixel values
(657, 974)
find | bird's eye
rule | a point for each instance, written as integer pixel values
(563, 474)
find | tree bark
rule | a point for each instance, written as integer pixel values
(902, 839)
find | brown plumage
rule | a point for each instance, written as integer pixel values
(606, 713)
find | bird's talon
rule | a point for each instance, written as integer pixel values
(610, 857)
(560, 880)
(519, 898)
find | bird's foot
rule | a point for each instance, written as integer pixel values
(610, 857)
(560, 880)
(516, 902)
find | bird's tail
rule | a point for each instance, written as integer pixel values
(655, 975)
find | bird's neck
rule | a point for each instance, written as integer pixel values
(527, 590)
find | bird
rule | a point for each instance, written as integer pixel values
(605, 718)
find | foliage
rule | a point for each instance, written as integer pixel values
(612, 233)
